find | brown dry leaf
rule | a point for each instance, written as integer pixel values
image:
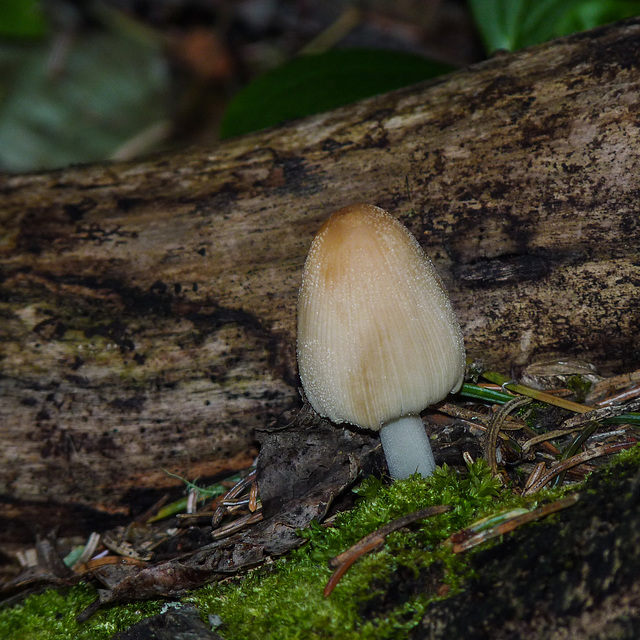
(302, 468)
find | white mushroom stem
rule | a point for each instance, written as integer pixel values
(407, 448)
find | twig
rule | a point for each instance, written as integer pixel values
(231, 502)
(192, 501)
(346, 22)
(253, 497)
(88, 551)
(237, 525)
(549, 435)
(496, 423)
(476, 419)
(607, 434)
(534, 476)
(96, 563)
(596, 415)
(574, 448)
(615, 389)
(154, 508)
(535, 394)
(541, 396)
(628, 394)
(180, 505)
(480, 422)
(563, 465)
(468, 538)
(235, 503)
(363, 548)
(241, 485)
(344, 560)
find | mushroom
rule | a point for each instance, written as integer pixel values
(378, 340)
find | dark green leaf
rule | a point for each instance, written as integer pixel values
(598, 12)
(21, 19)
(313, 84)
(513, 24)
(109, 89)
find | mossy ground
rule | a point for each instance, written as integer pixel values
(284, 600)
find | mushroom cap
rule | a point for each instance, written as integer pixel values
(377, 336)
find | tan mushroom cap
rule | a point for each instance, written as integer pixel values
(377, 337)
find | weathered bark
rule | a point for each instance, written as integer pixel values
(148, 309)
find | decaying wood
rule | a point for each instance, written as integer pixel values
(148, 309)
(571, 576)
(304, 469)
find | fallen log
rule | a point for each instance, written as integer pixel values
(149, 307)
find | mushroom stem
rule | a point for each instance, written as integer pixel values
(407, 448)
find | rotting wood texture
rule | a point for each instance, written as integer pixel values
(148, 309)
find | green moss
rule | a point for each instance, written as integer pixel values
(580, 386)
(609, 473)
(52, 616)
(285, 599)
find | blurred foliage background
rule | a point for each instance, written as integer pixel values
(89, 80)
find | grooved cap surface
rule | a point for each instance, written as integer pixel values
(377, 337)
